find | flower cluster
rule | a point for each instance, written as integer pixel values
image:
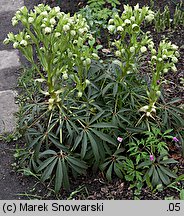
(61, 42)
(130, 20)
(167, 55)
(129, 24)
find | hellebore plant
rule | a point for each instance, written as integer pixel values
(161, 62)
(87, 112)
(128, 24)
(133, 44)
(60, 43)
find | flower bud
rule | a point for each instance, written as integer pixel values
(66, 28)
(52, 21)
(173, 68)
(158, 93)
(57, 9)
(132, 19)
(111, 28)
(95, 55)
(119, 28)
(79, 94)
(27, 37)
(43, 25)
(15, 45)
(164, 57)
(47, 30)
(149, 17)
(87, 82)
(57, 34)
(127, 21)
(118, 53)
(153, 58)
(111, 21)
(160, 59)
(143, 49)
(174, 59)
(135, 27)
(88, 61)
(177, 54)
(73, 32)
(174, 47)
(132, 49)
(23, 42)
(44, 13)
(30, 20)
(14, 21)
(6, 41)
(153, 51)
(165, 70)
(65, 76)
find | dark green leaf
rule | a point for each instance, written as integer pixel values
(84, 145)
(104, 165)
(78, 140)
(104, 136)
(45, 163)
(77, 162)
(47, 152)
(107, 87)
(66, 183)
(35, 142)
(109, 172)
(164, 178)
(168, 161)
(155, 177)
(167, 172)
(97, 116)
(48, 171)
(103, 125)
(94, 146)
(59, 176)
(182, 194)
(143, 164)
(118, 171)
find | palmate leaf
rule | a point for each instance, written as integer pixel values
(59, 176)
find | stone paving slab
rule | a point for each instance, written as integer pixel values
(9, 59)
(8, 78)
(7, 110)
(6, 27)
(10, 5)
